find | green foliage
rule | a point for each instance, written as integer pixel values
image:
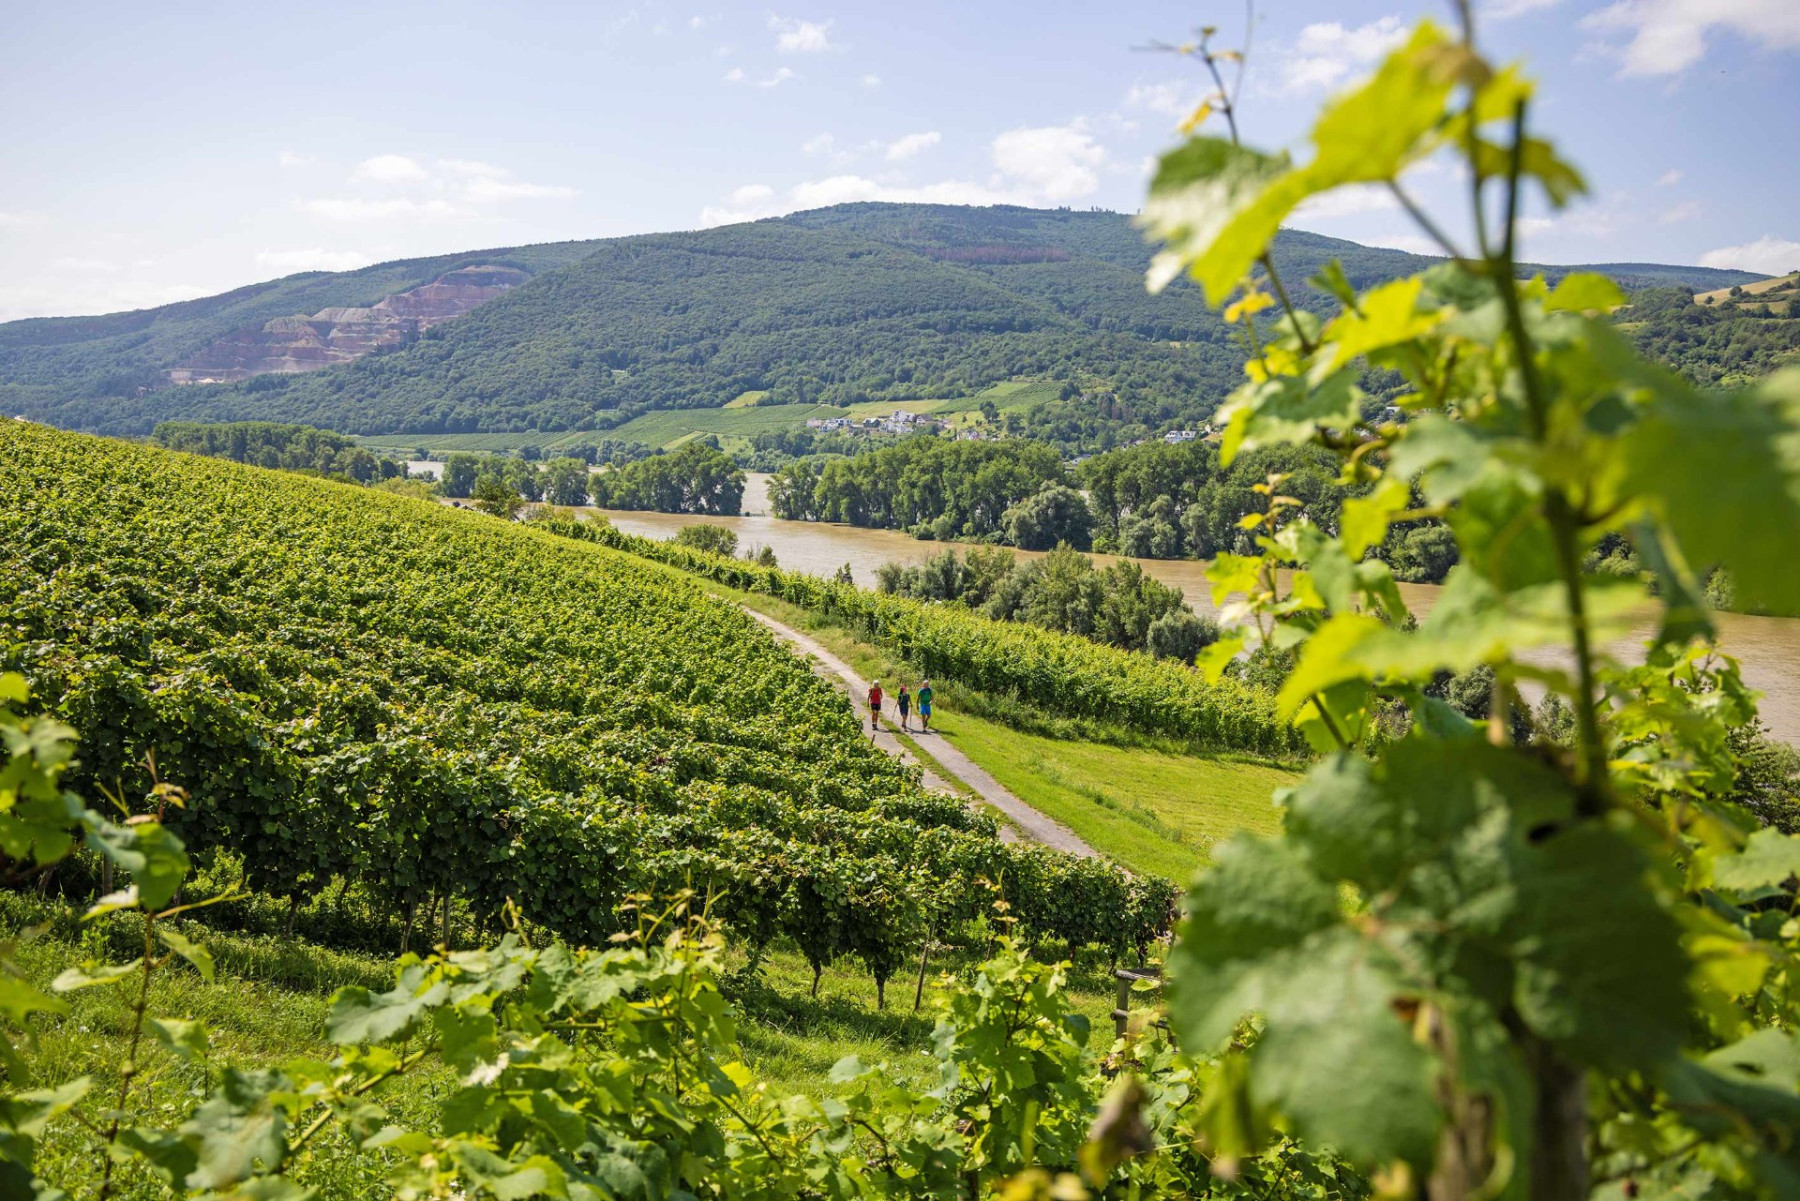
(464, 709)
(951, 489)
(1711, 345)
(1063, 674)
(859, 302)
(1055, 515)
(1485, 958)
(289, 447)
(713, 539)
(694, 479)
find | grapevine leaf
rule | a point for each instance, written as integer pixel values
(1288, 408)
(1386, 316)
(90, 974)
(239, 1132)
(504, 1179)
(19, 1000)
(1258, 899)
(185, 1039)
(167, 1154)
(1768, 860)
(1340, 1062)
(1366, 519)
(1200, 204)
(1723, 472)
(359, 1015)
(189, 950)
(125, 898)
(157, 861)
(1584, 291)
(1601, 969)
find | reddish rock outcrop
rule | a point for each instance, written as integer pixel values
(340, 335)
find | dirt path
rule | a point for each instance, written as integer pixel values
(1029, 822)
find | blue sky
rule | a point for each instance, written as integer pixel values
(160, 152)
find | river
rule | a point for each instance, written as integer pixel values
(1767, 647)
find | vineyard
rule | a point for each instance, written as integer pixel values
(1062, 674)
(359, 689)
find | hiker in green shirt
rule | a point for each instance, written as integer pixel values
(924, 699)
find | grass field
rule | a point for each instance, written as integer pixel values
(1146, 804)
(734, 425)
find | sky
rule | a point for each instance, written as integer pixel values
(163, 152)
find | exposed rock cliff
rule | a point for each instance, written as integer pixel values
(339, 335)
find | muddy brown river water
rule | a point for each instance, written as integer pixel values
(1767, 647)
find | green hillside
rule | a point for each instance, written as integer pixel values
(856, 303)
(364, 690)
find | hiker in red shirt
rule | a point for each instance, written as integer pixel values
(874, 707)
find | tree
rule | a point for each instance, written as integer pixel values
(458, 476)
(566, 481)
(713, 539)
(1055, 516)
(495, 497)
(1181, 634)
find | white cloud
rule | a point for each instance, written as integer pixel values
(1327, 53)
(751, 196)
(1502, 10)
(8, 220)
(871, 81)
(287, 158)
(1668, 36)
(793, 36)
(474, 168)
(1032, 167)
(390, 168)
(696, 22)
(912, 145)
(1669, 178)
(1768, 254)
(360, 208)
(1057, 161)
(1347, 202)
(1411, 243)
(482, 189)
(1169, 99)
(85, 264)
(823, 143)
(781, 76)
(1686, 211)
(316, 259)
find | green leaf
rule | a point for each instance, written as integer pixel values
(29, 1112)
(358, 1015)
(170, 1156)
(1258, 898)
(19, 1000)
(90, 974)
(1214, 659)
(157, 861)
(1207, 204)
(503, 1179)
(1365, 519)
(240, 1132)
(1769, 859)
(1341, 1063)
(1585, 291)
(186, 1039)
(125, 898)
(1387, 315)
(1287, 408)
(191, 951)
(1601, 971)
(1723, 474)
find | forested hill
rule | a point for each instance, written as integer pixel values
(856, 302)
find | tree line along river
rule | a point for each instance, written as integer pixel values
(1767, 647)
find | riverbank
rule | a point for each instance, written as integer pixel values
(1767, 647)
